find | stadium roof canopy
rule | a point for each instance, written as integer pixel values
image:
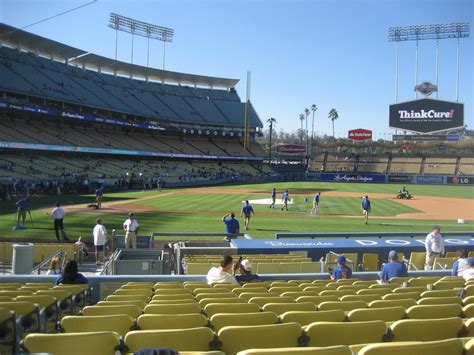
(31, 42)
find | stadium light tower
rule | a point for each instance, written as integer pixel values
(143, 29)
(436, 32)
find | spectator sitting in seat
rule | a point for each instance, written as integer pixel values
(222, 274)
(245, 268)
(461, 264)
(468, 274)
(70, 275)
(393, 268)
(341, 271)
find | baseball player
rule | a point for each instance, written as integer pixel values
(316, 203)
(285, 199)
(366, 208)
(274, 192)
(247, 212)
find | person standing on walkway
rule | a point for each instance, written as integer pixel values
(58, 214)
(247, 212)
(434, 245)
(100, 238)
(130, 226)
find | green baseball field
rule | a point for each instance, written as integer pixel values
(201, 209)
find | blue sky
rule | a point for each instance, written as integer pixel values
(331, 53)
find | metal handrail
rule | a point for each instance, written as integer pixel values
(47, 261)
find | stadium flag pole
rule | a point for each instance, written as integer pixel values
(437, 62)
(457, 72)
(246, 114)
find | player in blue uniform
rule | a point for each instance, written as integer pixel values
(366, 208)
(23, 209)
(246, 212)
(274, 192)
(341, 271)
(316, 203)
(285, 198)
(231, 225)
(99, 196)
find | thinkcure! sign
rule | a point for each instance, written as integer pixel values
(291, 149)
(360, 134)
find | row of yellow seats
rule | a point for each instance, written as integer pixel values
(40, 251)
(234, 339)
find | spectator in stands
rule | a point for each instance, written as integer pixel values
(468, 274)
(82, 247)
(247, 212)
(231, 226)
(245, 269)
(58, 214)
(222, 274)
(366, 208)
(71, 275)
(434, 245)
(99, 195)
(393, 268)
(341, 271)
(131, 226)
(461, 264)
(54, 267)
(23, 209)
(100, 238)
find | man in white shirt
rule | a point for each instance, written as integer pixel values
(468, 274)
(130, 226)
(58, 214)
(434, 245)
(224, 273)
(100, 238)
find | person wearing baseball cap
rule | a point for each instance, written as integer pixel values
(434, 245)
(246, 275)
(341, 271)
(468, 274)
(393, 268)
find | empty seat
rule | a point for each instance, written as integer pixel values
(173, 291)
(365, 298)
(295, 295)
(468, 311)
(410, 289)
(237, 338)
(316, 299)
(171, 321)
(182, 308)
(131, 310)
(215, 295)
(280, 308)
(405, 303)
(214, 308)
(401, 296)
(140, 304)
(426, 329)
(441, 293)
(127, 298)
(338, 293)
(193, 339)
(440, 300)
(120, 324)
(344, 306)
(261, 301)
(388, 314)
(328, 350)
(221, 320)
(263, 284)
(93, 343)
(239, 291)
(434, 311)
(249, 295)
(442, 347)
(173, 297)
(375, 291)
(205, 301)
(304, 317)
(345, 333)
(134, 291)
(281, 290)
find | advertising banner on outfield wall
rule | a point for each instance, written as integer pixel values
(429, 179)
(400, 178)
(352, 177)
(359, 134)
(291, 149)
(427, 115)
(461, 180)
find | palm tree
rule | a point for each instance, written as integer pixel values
(313, 108)
(333, 115)
(271, 121)
(301, 131)
(306, 113)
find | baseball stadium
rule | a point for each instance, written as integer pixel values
(150, 211)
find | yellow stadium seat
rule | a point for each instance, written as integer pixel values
(468, 300)
(440, 300)
(344, 306)
(290, 268)
(214, 308)
(263, 284)
(354, 288)
(228, 287)
(215, 295)
(468, 311)
(426, 329)
(145, 284)
(16, 293)
(198, 268)
(280, 308)
(382, 291)
(338, 293)
(317, 299)
(345, 333)
(318, 289)
(238, 338)
(160, 301)
(391, 285)
(239, 291)
(443, 347)
(470, 327)
(49, 307)
(134, 291)
(93, 343)
(295, 295)
(205, 301)
(128, 298)
(417, 261)
(198, 291)
(261, 301)
(469, 347)
(370, 262)
(399, 279)
(405, 303)
(178, 308)
(29, 312)
(422, 281)
(400, 296)
(329, 350)
(281, 290)
(120, 324)
(366, 283)
(173, 291)
(440, 293)
(6, 299)
(193, 339)
(410, 289)
(249, 295)
(299, 282)
(468, 291)
(63, 296)
(309, 267)
(8, 338)
(221, 320)
(140, 304)
(443, 263)
(193, 286)
(389, 314)
(130, 310)
(434, 311)
(173, 297)
(448, 285)
(304, 317)
(268, 268)
(365, 298)
(171, 321)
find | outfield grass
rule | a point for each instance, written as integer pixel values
(202, 213)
